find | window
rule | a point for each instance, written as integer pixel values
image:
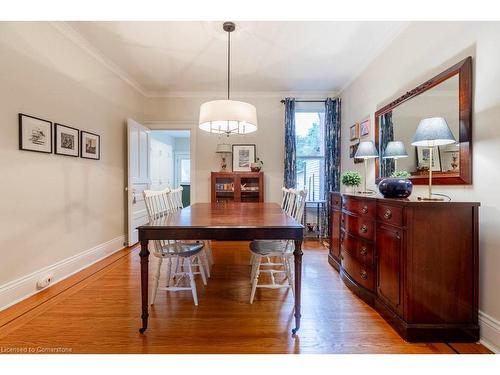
(185, 171)
(310, 147)
(182, 168)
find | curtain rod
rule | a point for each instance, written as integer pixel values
(306, 101)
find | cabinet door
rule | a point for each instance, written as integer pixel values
(335, 234)
(389, 256)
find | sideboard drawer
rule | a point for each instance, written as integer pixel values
(390, 214)
(358, 248)
(361, 207)
(360, 273)
(358, 226)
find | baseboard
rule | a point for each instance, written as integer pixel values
(490, 332)
(24, 287)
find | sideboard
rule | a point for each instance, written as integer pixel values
(415, 262)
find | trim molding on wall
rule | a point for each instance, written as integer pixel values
(24, 287)
(490, 332)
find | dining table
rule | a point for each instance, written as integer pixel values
(223, 221)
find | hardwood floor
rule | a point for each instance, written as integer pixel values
(101, 314)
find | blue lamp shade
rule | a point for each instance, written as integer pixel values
(395, 150)
(433, 131)
(366, 150)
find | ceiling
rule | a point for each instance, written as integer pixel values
(175, 58)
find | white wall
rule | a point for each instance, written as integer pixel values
(56, 207)
(162, 113)
(420, 52)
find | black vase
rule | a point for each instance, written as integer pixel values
(395, 187)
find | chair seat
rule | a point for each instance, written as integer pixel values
(182, 249)
(265, 247)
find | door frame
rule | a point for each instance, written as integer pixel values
(181, 125)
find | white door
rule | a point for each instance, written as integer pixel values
(138, 177)
(161, 165)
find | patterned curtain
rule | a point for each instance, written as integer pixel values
(332, 155)
(332, 145)
(386, 135)
(290, 178)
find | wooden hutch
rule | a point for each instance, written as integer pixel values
(237, 186)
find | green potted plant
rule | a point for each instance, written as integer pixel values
(351, 179)
(401, 174)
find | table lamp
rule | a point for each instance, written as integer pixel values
(223, 149)
(395, 150)
(431, 132)
(366, 150)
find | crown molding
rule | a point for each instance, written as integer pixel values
(241, 94)
(77, 38)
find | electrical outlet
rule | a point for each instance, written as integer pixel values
(44, 281)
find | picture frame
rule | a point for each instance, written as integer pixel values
(423, 158)
(352, 151)
(90, 145)
(364, 127)
(66, 140)
(354, 132)
(35, 134)
(243, 156)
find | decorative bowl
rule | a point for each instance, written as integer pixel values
(394, 187)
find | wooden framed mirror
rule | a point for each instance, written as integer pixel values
(448, 95)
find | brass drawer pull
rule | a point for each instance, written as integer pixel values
(388, 214)
(363, 251)
(398, 236)
(364, 275)
(364, 229)
(364, 210)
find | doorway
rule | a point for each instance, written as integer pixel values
(170, 161)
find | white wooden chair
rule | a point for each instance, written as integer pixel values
(176, 201)
(276, 249)
(286, 204)
(181, 257)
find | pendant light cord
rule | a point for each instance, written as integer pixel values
(228, 63)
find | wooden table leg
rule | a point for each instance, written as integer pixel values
(144, 254)
(298, 282)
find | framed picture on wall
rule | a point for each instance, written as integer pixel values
(90, 145)
(243, 156)
(352, 151)
(35, 134)
(423, 158)
(66, 140)
(354, 132)
(364, 127)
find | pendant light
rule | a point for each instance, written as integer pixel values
(228, 116)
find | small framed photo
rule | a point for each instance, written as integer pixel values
(423, 158)
(352, 151)
(66, 140)
(35, 134)
(364, 127)
(243, 156)
(90, 145)
(354, 132)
